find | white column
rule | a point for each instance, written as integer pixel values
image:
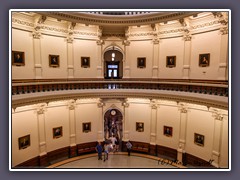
(41, 129)
(217, 138)
(183, 129)
(100, 121)
(37, 54)
(126, 121)
(155, 58)
(223, 73)
(100, 60)
(72, 122)
(126, 72)
(153, 124)
(187, 56)
(70, 57)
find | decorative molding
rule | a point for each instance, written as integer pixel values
(126, 42)
(41, 108)
(217, 114)
(21, 22)
(70, 39)
(36, 35)
(224, 30)
(187, 37)
(71, 104)
(183, 108)
(100, 42)
(205, 24)
(85, 33)
(155, 41)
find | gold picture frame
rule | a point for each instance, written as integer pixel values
(141, 62)
(167, 131)
(18, 58)
(171, 61)
(204, 60)
(199, 139)
(57, 132)
(24, 142)
(139, 126)
(85, 62)
(86, 127)
(54, 61)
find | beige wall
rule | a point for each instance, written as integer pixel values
(206, 38)
(198, 120)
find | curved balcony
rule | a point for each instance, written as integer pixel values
(210, 93)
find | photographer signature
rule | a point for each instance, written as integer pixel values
(177, 162)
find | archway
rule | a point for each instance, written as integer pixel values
(113, 65)
(113, 125)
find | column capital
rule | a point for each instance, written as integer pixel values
(156, 41)
(217, 114)
(41, 108)
(224, 30)
(71, 104)
(125, 104)
(36, 35)
(100, 42)
(183, 108)
(126, 42)
(153, 104)
(187, 37)
(70, 39)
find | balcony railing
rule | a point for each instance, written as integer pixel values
(218, 88)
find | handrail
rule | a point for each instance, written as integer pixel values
(205, 87)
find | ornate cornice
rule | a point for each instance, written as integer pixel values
(117, 94)
(205, 24)
(98, 19)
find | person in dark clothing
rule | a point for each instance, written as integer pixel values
(99, 150)
(129, 147)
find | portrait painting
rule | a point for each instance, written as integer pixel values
(199, 139)
(86, 127)
(18, 58)
(57, 132)
(54, 61)
(171, 61)
(85, 62)
(141, 62)
(139, 126)
(167, 131)
(204, 60)
(24, 142)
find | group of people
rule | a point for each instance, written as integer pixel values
(110, 145)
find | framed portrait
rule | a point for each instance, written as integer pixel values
(24, 142)
(199, 139)
(57, 132)
(171, 61)
(54, 60)
(167, 131)
(141, 62)
(18, 58)
(139, 126)
(204, 60)
(86, 127)
(85, 62)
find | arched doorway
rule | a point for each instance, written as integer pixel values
(113, 125)
(113, 65)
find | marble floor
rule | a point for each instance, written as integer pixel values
(115, 160)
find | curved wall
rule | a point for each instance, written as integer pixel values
(185, 119)
(204, 34)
